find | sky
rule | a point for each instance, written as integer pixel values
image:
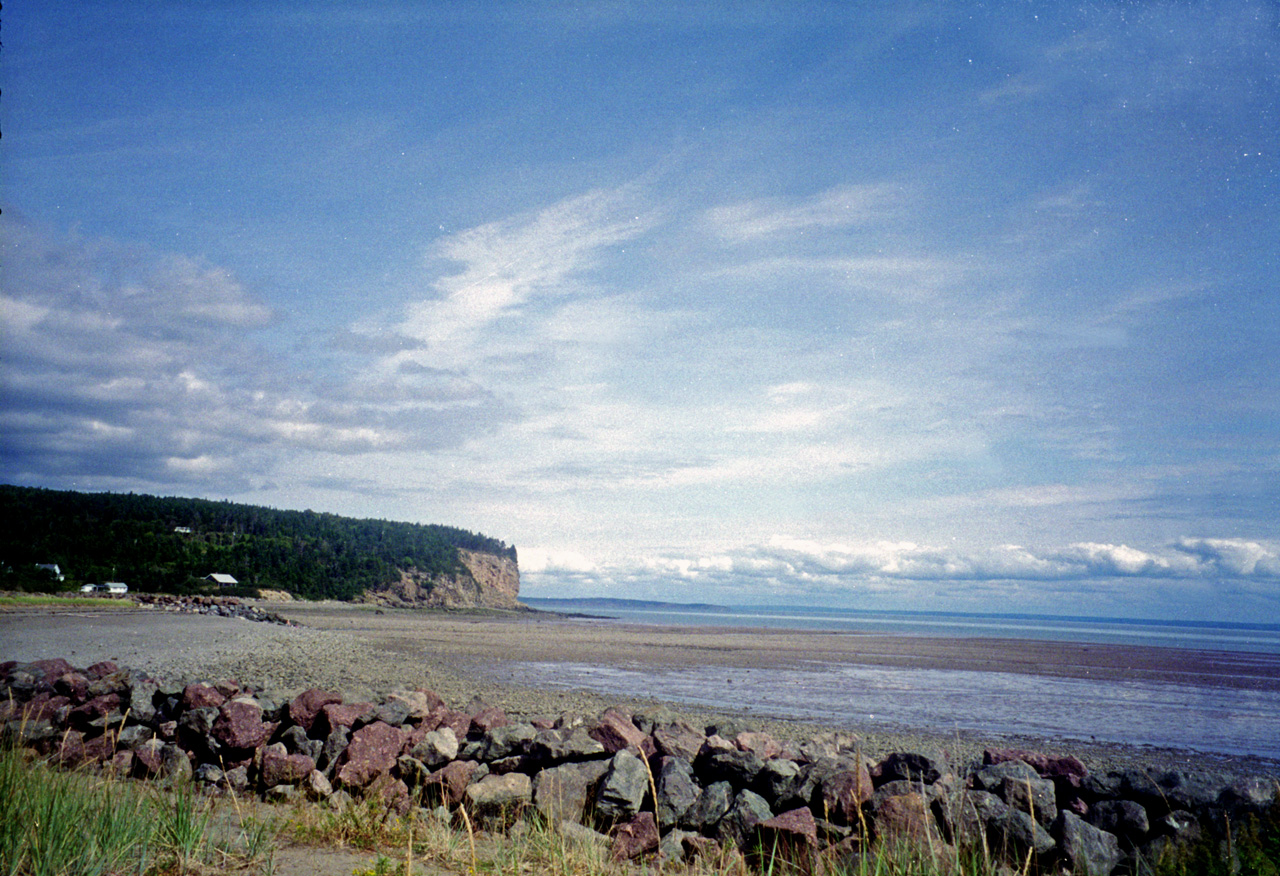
(921, 306)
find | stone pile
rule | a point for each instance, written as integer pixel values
(220, 606)
(649, 783)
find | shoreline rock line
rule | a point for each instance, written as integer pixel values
(647, 783)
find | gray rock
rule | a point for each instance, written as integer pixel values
(499, 800)
(991, 778)
(738, 825)
(779, 780)
(1036, 797)
(913, 766)
(508, 740)
(563, 792)
(331, 751)
(678, 790)
(437, 747)
(568, 744)
(1090, 851)
(1125, 818)
(729, 765)
(393, 711)
(713, 803)
(1023, 834)
(622, 792)
(1248, 795)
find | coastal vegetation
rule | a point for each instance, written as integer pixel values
(170, 544)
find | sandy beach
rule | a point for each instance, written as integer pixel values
(362, 651)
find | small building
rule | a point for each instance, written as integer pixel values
(182, 530)
(221, 580)
(115, 587)
(54, 568)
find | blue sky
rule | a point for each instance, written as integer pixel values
(923, 306)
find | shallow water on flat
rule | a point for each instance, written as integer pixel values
(1236, 722)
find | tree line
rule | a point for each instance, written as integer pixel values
(169, 544)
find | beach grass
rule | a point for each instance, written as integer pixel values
(74, 823)
(62, 600)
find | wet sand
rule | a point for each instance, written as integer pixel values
(361, 650)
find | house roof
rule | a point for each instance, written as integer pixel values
(220, 578)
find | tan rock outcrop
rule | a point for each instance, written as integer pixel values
(490, 581)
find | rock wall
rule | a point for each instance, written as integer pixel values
(491, 582)
(654, 783)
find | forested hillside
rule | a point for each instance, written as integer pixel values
(167, 544)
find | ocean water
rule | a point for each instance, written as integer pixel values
(1206, 719)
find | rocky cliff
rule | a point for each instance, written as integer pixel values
(490, 581)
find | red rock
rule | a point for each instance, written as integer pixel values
(47, 671)
(98, 707)
(307, 705)
(73, 685)
(634, 838)
(199, 696)
(335, 715)
(791, 837)
(451, 780)
(762, 745)
(904, 817)
(239, 725)
(101, 670)
(489, 718)
(373, 750)
(393, 793)
(228, 687)
(458, 722)
(844, 792)
(615, 732)
(278, 767)
(679, 739)
(1048, 766)
(148, 758)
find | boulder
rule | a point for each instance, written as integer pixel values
(713, 803)
(201, 696)
(332, 749)
(447, 785)
(911, 766)
(738, 825)
(678, 790)
(733, 765)
(843, 792)
(622, 792)
(783, 782)
(991, 778)
(904, 818)
(555, 746)
(278, 767)
(436, 748)
(762, 745)
(1124, 818)
(678, 739)
(615, 732)
(239, 726)
(507, 740)
(307, 705)
(499, 800)
(1036, 797)
(786, 843)
(563, 793)
(1089, 850)
(350, 715)
(296, 740)
(373, 750)
(634, 838)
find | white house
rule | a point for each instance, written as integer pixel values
(54, 568)
(116, 587)
(221, 580)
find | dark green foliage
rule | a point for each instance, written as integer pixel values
(99, 537)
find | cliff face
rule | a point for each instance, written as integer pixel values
(493, 582)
